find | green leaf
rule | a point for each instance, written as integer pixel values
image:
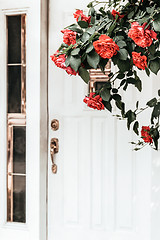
(117, 97)
(91, 30)
(102, 64)
(122, 83)
(93, 59)
(156, 25)
(130, 73)
(123, 65)
(67, 62)
(114, 90)
(90, 5)
(137, 104)
(125, 86)
(152, 49)
(112, 27)
(92, 20)
(82, 24)
(131, 117)
(121, 106)
(89, 48)
(107, 85)
(147, 72)
(135, 127)
(118, 38)
(152, 102)
(85, 37)
(131, 14)
(121, 76)
(75, 28)
(105, 94)
(155, 135)
(121, 44)
(123, 54)
(154, 66)
(138, 85)
(92, 11)
(155, 112)
(108, 106)
(84, 74)
(75, 51)
(75, 62)
(131, 80)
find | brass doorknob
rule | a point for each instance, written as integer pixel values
(54, 148)
(54, 124)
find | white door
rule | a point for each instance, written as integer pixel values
(102, 190)
(23, 161)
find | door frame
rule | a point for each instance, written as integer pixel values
(44, 123)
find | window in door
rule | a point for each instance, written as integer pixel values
(98, 79)
(16, 118)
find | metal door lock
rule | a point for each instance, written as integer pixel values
(54, 148)
(54, 124)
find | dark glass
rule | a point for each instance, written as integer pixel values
(14, 39)
(19, 199)
(14, 89)
(19, 149)
(98, 85)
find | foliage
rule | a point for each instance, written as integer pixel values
(133, 32)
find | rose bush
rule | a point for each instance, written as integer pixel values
(127, 34)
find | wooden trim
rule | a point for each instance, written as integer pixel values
(44, 120)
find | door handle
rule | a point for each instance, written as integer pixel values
(54, 148)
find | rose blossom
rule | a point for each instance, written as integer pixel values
(142, 37)
(94, 102)
(105, 46)
(114, 13)
(69, 37)
(145, 134)
(139, 61)
(71, 71)
(60, 62)
(83, 17)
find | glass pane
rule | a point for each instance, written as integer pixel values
(16, 119)
(19, 149)
(14, 39)
(14, 89)
(98, 85)
(19, 199)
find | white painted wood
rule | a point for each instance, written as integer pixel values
(35, 227)
(103, 190)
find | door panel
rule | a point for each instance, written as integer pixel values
(102, 189)
(35, 168)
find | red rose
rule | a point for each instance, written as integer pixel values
(60, 62)
(142, 37)
(139, 61)
(83, 17)
(69, 37)
(105, 46)
(145, 134)
(114, 13)
(94, 102)
(71, 71)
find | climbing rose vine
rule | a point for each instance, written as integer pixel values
(128, 35)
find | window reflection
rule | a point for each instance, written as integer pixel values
(16, 115)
